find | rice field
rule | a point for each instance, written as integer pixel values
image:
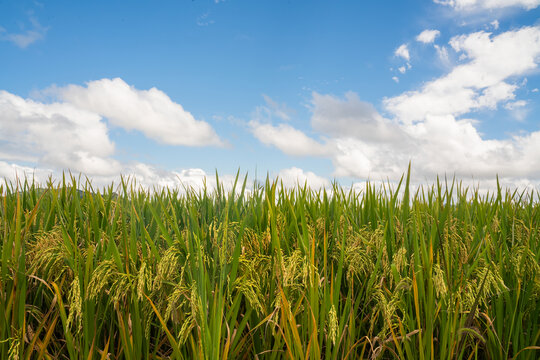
(273, 273)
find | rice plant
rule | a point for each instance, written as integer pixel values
(273, 273)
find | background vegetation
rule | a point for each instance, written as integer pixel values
(277, 273)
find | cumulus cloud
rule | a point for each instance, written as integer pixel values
(403, 51)
(58, 135)
(429, 125)
(361, 159)
(27, 37)
(287, 139)
(426, 127)
(350, 117)
(432, 135)
(295, 176)
(151, 112)
(436, 145)
(479, 83)
(471, 5)
(72, 135)
(428, 36)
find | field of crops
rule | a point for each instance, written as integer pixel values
(273, 273)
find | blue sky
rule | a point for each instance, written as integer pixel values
(307, 90)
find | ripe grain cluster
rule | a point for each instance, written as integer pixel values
(273, 273)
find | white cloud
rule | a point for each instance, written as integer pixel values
(479, 83)
(402, 69)
(535, 90)
(472, 5)
(288, 139)
(27, 37)
(515, 105)
(350, 117)
(438, 144)
(295, 176)
(442, 53)
(361, 159)
(58, 135)
(428, 36)
(358, 140)
(151, 112)
(518, 109)
(395, 78)
(49, 138)
(403, 51)
(426, 128)
(495, 24)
